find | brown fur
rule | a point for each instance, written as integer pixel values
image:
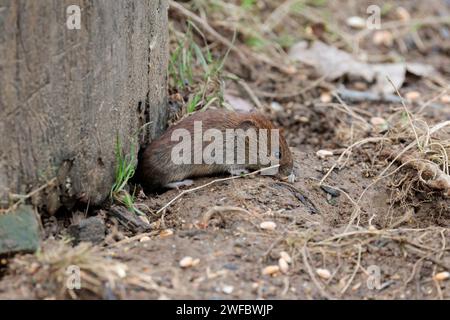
(156, 170)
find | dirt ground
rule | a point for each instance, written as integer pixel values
(355, 236)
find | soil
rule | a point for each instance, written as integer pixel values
(391, 248)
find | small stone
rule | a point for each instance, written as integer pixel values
(144, 239)
(322, 154)
(271, 270)
(441, 276)
(356, 22)
(268, 225)
(412, 96)
(284, 267)
(227, 289)
(323, 273)
(284, 255)
(92, 229)
(19, 231)
(332, 192)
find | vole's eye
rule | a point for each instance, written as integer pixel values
(278, 154)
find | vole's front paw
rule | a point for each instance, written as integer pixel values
(178, 184)
(238, 171)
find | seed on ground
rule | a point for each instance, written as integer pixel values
(377, 121)
(356, 22)
(412, 95)
(268, 225)
(325, 97)
(286, 256)
(445, 98)
(166, 233)
(441, 276)
(324, 153)
(284, 267)
(323, 273)
(271, 270)
(144, 239)
(188, 262)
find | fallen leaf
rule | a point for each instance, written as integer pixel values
(334, 63)
(239, 104)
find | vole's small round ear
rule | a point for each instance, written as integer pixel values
(247, 123)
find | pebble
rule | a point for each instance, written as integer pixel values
(227, 289)
(331, 191)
